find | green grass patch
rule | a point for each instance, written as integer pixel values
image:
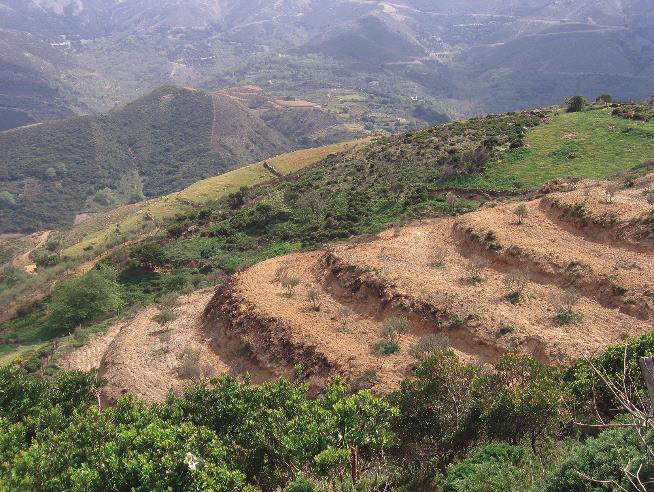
(590, 144)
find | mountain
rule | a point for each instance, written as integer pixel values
(157, 144)
(477, 262)
(385, 62)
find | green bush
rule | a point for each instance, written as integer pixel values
(576, 104)
(84, 299)
(493, 468)
(603, 458)
(386, 347)
(300, 484)
(7, 200)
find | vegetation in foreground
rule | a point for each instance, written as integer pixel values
(452, 426)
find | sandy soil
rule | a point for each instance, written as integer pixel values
(422, 272)
(142, 357)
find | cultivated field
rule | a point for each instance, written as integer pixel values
(551, 282)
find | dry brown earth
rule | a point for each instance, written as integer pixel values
(250, 324)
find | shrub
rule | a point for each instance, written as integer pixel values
(493, 468)
(430, 344)
(314, 298)
(300, 484)
(475, 271)
(82, 300)
(344, 314)
(522, 212)
(566, 314)
(290, 283)
(611, 191)
(649, 196)
(165, 316)
(602, 458)
(11, 275)
(441, 255)
(148, 255)
(281, 273)
(450, 200)
(386, 347)
(604, 98)
(527, 402)
(516, 282)
(506, 329)
(394, 327)
(189, 367)
(7, 200)
(169, 300)
(576, 104)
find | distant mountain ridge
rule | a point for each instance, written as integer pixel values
(455, 57)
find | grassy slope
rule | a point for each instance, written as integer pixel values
(129, 219)
(99, 231)
(600, 143)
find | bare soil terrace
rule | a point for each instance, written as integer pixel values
(447, 276)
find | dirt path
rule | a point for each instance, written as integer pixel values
(39, 240)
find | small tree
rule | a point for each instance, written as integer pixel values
(566, 314)
(576, 104)
(522, 212)
(394, 327)
(281, 273)
(430, 344)
(391, 331)
(440, 255)
(516, 282)
(450, 200)
(314, 298)
(610, 192)
(82, 300)
(290, 283)
(476, 269)
(343, 317)
(604, 98)
(189, 367)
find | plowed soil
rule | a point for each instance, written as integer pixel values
(144, 358)
(423, 273)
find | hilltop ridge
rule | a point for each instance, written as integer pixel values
(155, 145)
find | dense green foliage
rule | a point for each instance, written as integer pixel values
(84, 299)
(452, 427)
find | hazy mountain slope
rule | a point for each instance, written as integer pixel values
(450, 54)
(171, 138)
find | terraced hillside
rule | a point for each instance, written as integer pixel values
(452, 277)
(299, 202)
(482, 284)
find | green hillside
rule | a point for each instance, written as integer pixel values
(452, 425)
(158, 144)
(221, 224)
